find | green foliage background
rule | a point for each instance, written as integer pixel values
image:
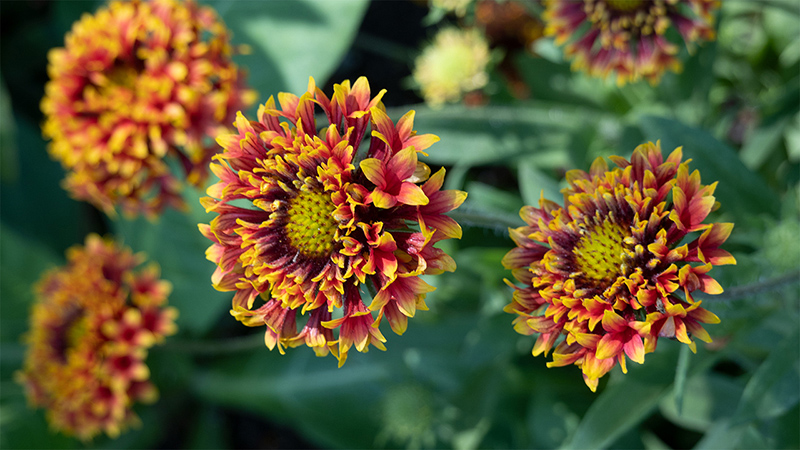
(460, 377)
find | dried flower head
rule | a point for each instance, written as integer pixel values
(614, 269)
(90, 331)
(454, 64)
(310, 224)
(139, 86)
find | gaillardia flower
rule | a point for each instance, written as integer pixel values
(139, 87)
(614, 269)
(90, 331)
(633, 38)
(454, 64)
(310, 224)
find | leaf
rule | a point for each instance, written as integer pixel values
(708, 397)
(533, 183)
(471, 439)
(622, 405)
(739, 190)
(483, 196)
(775, 386)
(9, 164)
(35, 202)
(174, 242)
(292, 40)
(301, 391)
(342, 407)
(495, 134)
(721, 435)
(22, 263)
(764, 142)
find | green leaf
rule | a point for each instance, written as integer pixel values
(9, 161)
(707, 398)
(775, 386)
(483, 196)
(533, 183)
(342, 407)
(721, 435)
(302, 391)
(292, 40)
(24, 427)
(495, 134)
(174, 242)
(22, 263)
(622, 405)
(35, 202)
(739, 189)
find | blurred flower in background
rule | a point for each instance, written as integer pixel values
(408, 416)
(136, 85)
(319, 227)
(609, 271)
(453, 65)
(90, 331)
(512, 28)
(457, 7)
(633, 39)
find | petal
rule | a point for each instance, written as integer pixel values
(421, 142)
(608, 347)
(382, 199)
(411, 194)
(613, 322)
(405, 125)
(403, 164)
(374, 171)
(634, 348)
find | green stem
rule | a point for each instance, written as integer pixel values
(681, 371)
(215, 347)
(762, 287)
(475, 218)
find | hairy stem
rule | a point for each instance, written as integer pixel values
(761, 287)
(483, 219)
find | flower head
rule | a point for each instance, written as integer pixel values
(310, 224)
(632, 38)
(90, 331)
(453, 65)
(137, 84)
(614, 269)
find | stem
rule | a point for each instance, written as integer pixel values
(215, 347)
(485, 219)
(762, 287)
(681, 370)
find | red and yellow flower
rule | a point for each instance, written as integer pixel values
(309, 224)
(631, 38)
(614, 269)
(90, 331)
(136, 85)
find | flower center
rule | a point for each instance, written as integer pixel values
(624, 5)
(121, 75)
(599, 253)
(311, 228)
(68, 334)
